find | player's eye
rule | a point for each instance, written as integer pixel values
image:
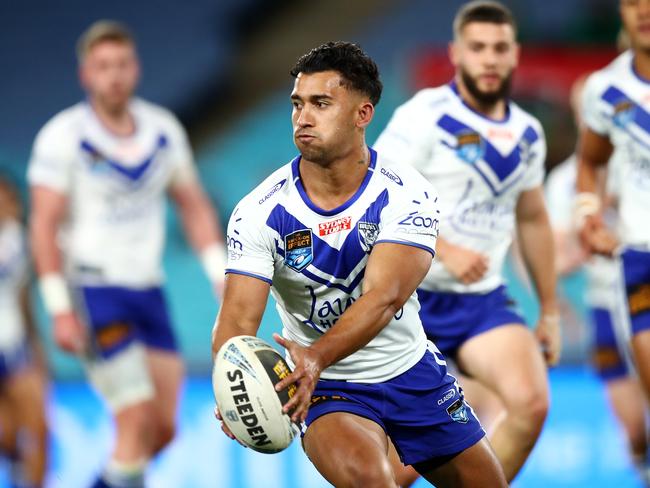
(296, 104)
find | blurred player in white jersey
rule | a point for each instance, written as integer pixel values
(616, 116)
(99, 174)
(341, 238)
(605, 297)
(486, 157)
(23, 426)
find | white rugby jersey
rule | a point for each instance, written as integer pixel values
(315, 259)
(616, 104)
(13, 276)
(479, 167)
(116, 190)
(603, 274)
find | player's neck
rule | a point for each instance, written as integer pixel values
(330, 186)
(495, 111)
(117, 120)
(642, 63)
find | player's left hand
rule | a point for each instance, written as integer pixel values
(305, 374)
(548, 336)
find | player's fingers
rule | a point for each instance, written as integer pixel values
(280, 340)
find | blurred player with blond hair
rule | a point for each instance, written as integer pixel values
(23, 425)
(99, 174)
(486, 157)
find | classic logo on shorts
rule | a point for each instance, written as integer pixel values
(298, 249)
(368, 232)
(458, 411)
(469, 148)
(624, 111)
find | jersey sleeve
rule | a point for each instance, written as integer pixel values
(52, 158)
(181, 153)
(411, 219)
(559, 200)
(534, 176)
(407, 139)
(251, 247)
(593, 112)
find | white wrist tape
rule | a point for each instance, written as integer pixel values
(586, 204)
(214, 259)
(55, 293)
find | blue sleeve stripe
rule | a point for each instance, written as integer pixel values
(252, 275)
(408, 243)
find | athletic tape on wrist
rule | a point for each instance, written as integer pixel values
(55, 293)
(214, 259)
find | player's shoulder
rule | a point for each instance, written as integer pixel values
(63, 126)
(432, 98)
(524, 118)
(156, 114)
(563, 174)
(617, 70)
(402, 180)
(264, 197)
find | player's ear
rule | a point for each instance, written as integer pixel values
(365, 114)
(452, 52)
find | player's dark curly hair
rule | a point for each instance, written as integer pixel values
(357, 69)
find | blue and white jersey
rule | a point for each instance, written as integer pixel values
(479, 166)
(616, 104)
(13, 277)
(315, 259)
(115, 188)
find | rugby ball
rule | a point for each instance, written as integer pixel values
(245, 373)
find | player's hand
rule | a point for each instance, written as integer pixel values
(464, 264)
(548, 335)
(69, 333)
(596, 238)
(305, 375)
(225, 428)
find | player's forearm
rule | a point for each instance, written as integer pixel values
(360, 323)
(537, 248)
(45, 251)
(587, 176)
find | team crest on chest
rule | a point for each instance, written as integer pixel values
(469, 147)
(368, 232)
(624, 112)
(299, 249)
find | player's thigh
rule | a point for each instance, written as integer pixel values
(475, 467)
(507, 360)
(167, 370)
(346, 448)
(26, 390)
(484, 401)
(641, 352)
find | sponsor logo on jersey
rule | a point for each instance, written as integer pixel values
(298, 249)
(496, 133)
(624, 112)
(449, 394)
(458, 411)
(368, 232)
(272, 191)
(334, 226)
(469, 147)
(392, 176)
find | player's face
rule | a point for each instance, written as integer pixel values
(485, 55)
(327, 116)
(636, 19)
(110, 73)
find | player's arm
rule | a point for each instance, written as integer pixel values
(536, 245)
(392, 274)
(48, 210)
(202, 228)
(594, 151)
(465, 265)
(33, 337)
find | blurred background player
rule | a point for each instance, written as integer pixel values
(486, 157)
(615, 114)
(604, 295)
(23, 426)
(337, 231)
(99, 174)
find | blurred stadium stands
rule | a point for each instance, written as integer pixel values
(222, 66)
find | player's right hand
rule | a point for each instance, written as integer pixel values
(596, 238)
(465, 265)
(69, 333)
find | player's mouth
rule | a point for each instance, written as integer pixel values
(490, 78)
(644, 28)
(305, 137)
